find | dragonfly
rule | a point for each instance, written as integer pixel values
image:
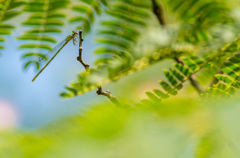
(57, 49)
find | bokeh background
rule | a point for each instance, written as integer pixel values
(37, 103)
(35, 122)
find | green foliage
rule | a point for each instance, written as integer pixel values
(8, 10)
(172, 121)
(198, 16)
(180, 125)
(229, 79)
(176, 77)
(88, 81)
(86, 10)
(120, 30)
(45, 19)
(125, 24)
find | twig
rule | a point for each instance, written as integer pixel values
(79, 58)
(86, 66)
(158, 11)
(192, 79)
(108, 94)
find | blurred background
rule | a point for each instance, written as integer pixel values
(34, 104)
(35, 122)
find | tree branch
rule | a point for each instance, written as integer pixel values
(158, 11)
(86, 66)
(108, 94)
(79, 58)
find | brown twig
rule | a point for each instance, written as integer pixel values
(86, 66)
(108, 94)
(79, 58)
(158, 11)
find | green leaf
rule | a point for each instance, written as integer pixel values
(35, 55)
(40, 46)
(15, 4)
(4, 31)
(224, 78)
(2, 39)
(236, 84)
(167, 88)
(56, 15)
(230, 72)
(113, 42)
(170, 78)
(177, 74)
(189, 63)
(183, 69)
(89, 2)
(47, 30)
(54, 22)
(6, 26)
(146, 101)
(153, 97)
(37, 37)
(160, 94)
(33, 23)
(35, 63)
(81, 8)
(66, 95)
(71, 89)
(10, 15)
(77, 19)
(221, 86)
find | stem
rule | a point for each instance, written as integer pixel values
(192, 79)
(79, 58)
(108, 94)
(86, 66)
(158, 11)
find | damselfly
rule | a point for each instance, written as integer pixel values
(57, 49)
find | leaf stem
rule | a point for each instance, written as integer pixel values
(79, 58)
(158, 11)
(107, 93)
(191, 78)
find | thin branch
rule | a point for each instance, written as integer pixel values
(86, 66)
(79, 58)
(192, 79)
(158, 11)
(108, 94)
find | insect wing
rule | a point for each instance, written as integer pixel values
(51, 54)
(46, 56)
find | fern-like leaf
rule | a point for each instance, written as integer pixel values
(198, 16)
(101, 75)
(45, 19)
(86, 10)
(178, 75)
(229, 81)
(8, 10)
(121, 29)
